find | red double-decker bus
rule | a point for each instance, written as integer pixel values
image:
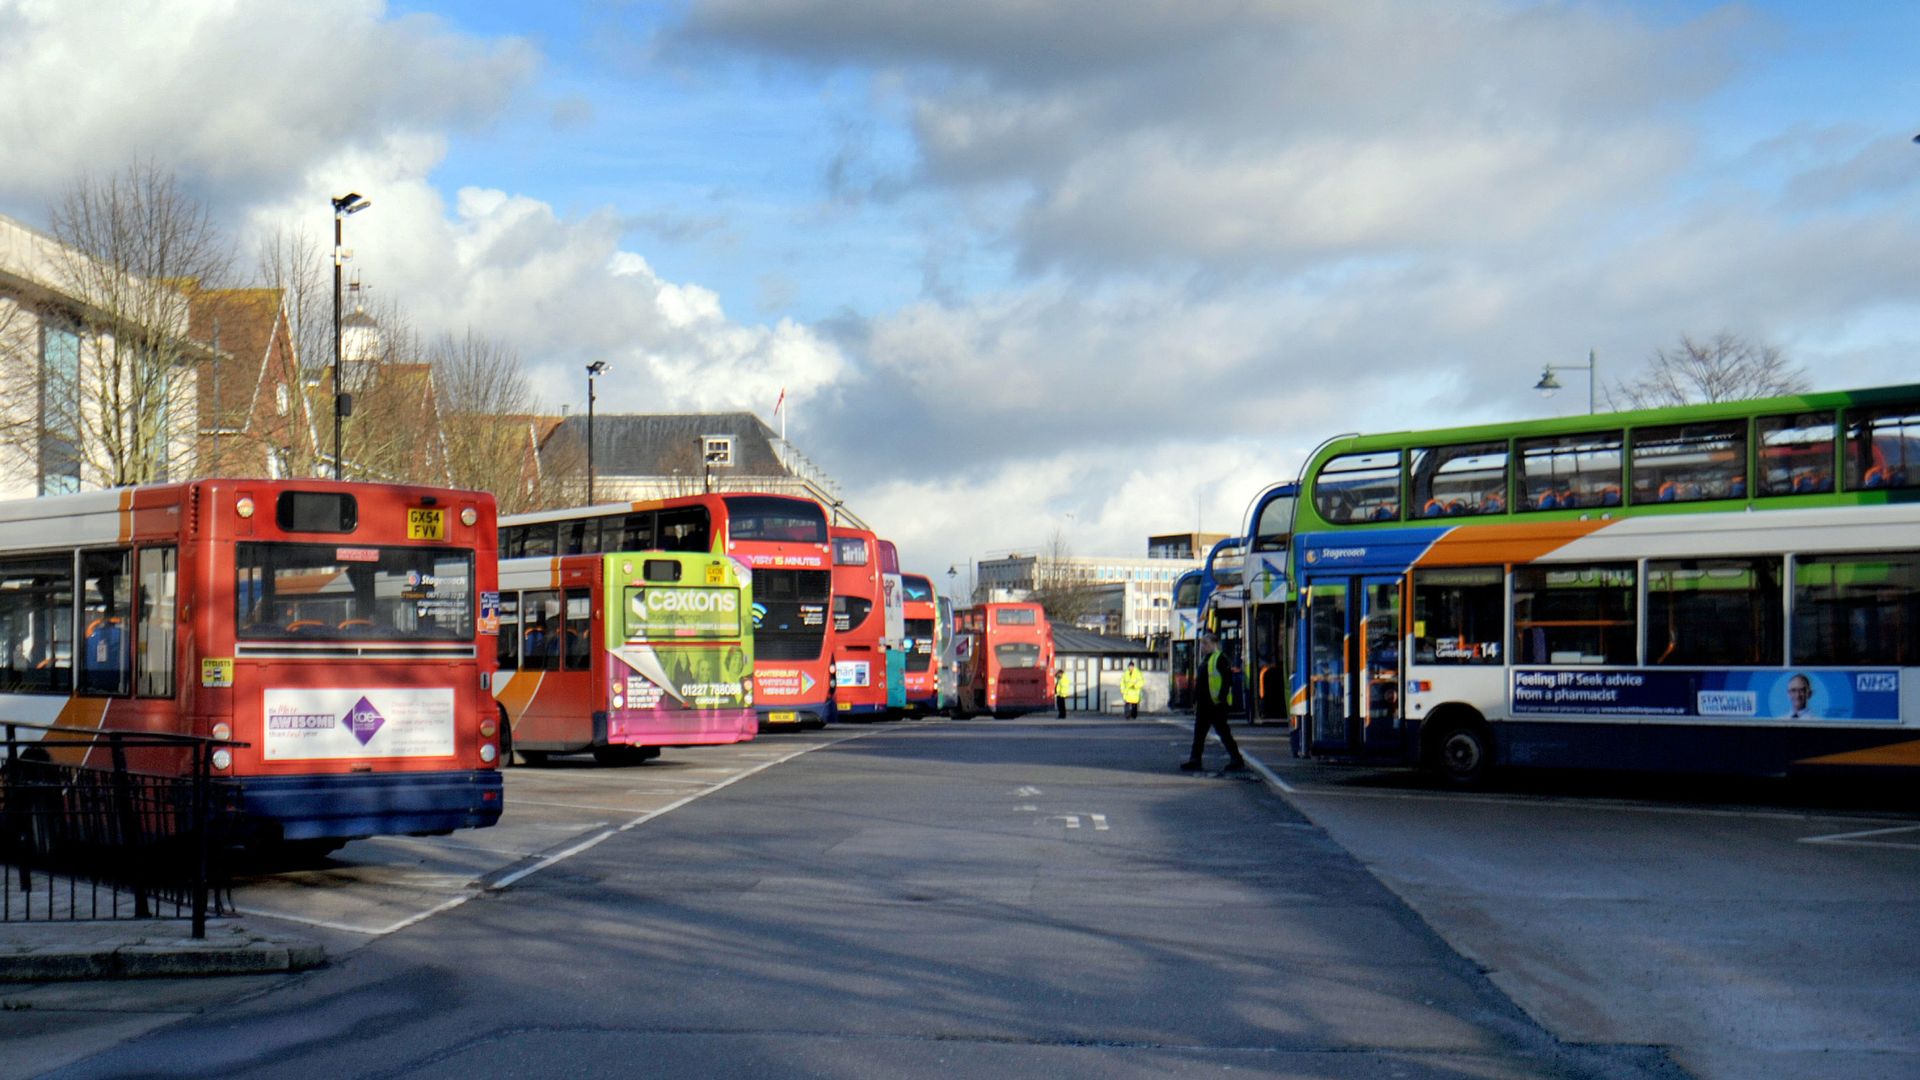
(1005, 659)
(859, 626)
(339, 632)
(921, 608)
(781, 538)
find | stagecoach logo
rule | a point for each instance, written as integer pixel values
(364, 721)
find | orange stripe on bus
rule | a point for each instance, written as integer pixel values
(1505, 543)
(1905, 753)
(519, 691)
(83, 714)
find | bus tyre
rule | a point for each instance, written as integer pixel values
(506, 740)
(1463, 752)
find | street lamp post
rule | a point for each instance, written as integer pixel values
(1548, 384)
(350, 203)
(594, 371)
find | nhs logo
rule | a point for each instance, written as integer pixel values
(1876, 682)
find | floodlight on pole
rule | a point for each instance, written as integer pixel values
(594, 371)
(350, 203)
(1548, 384)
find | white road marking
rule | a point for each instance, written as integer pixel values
(1072, 820)
(1853, 839)
(522, 874)
(1028, 807)
(1027, 792)
(1099, 822)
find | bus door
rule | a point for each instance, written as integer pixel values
(1268, 670)
(1329, 670)
(1353, 665)
(1379, 675)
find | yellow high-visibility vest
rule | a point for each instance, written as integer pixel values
(1131, 683)
(1216, 679)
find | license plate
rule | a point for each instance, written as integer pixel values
(783, 717)
(716, 574)
(426, 524)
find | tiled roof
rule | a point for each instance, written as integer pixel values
(662, 444)
(1067, 639)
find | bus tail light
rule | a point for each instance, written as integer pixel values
(487, 728)
(468, 516)
(244, 507)
(223, 732)
(488, 753)
(222, 759)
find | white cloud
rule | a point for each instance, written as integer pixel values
(241, 95)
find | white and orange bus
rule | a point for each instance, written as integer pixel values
(623, 654)
(1005, 659)
(337, 633)
(782, 539)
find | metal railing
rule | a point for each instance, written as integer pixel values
(84, 837)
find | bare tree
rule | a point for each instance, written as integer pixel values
(295, 263)
(486, 407)
(129, 249)
(1726, 367)
(1060, 585)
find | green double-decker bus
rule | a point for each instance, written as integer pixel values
(1729, 587)
(1854, 447)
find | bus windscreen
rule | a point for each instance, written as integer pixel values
(769, 518)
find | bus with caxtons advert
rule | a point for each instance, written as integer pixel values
(781, 538)
(623, 654)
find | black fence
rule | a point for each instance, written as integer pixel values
(84, 837)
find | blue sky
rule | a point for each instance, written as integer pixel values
(1037, 265)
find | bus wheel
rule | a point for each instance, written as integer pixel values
(506, 740)
(1464, 752)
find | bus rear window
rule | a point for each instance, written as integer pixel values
(917, 589)
(317, 511)
(328, 592)
(1017, 654)
(768, 518)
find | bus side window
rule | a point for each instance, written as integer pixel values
(154, 663)
(540, 641)
(507, 645)
(637, 533)
(36, 624)
(579, 649)
(104, 638)
(688, 528)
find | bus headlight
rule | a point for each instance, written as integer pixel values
(222, 759)
(223, 732)
(487, 728)
(488, 753)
